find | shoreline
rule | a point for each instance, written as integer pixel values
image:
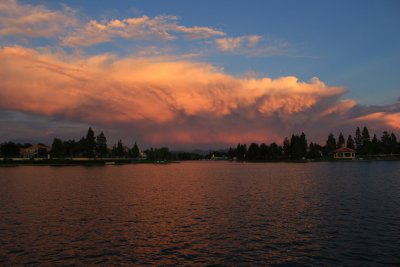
(110, 161)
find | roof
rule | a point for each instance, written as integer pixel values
(344, 149)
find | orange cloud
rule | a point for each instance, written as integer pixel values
(391, 119)
(143, 28)
(33, 20)
(232, 44)
(167, 99)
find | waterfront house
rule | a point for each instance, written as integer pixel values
(38, 151)
(344, 153)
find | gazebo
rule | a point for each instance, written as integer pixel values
(344, 153)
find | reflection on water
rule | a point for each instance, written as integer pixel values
(345, 213)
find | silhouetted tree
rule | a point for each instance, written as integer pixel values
(9, 149)
(70, 148)
(252, 152)
(231, 153)
(57, 149)
(330, 146)
(158, 154)
(341, 141)
(118, 150)
(315, 151)
(393, 143)
(366, 141)
(275, 151)
(101, 145)
(298, 146)
(286, 147)
(90, 144)
(241, 151)
(375, 145)
(385, 143)
(135, 152)
(264, 152)
(350, 142)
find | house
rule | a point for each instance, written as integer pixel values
(344, 153)
(38, 151)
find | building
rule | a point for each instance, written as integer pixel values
(344, 153)
(38, 151)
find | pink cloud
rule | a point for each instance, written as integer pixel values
(142, 28)
(33, 20)
(236, 43)
(173, 100)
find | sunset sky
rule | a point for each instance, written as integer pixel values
(198, 74)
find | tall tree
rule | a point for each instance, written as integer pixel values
(57, 149)
(135, 152)
(252, 152)
(90, 144)
(298, 146)
(263, 152)
(330, 144)
(119, 149)
(241, 151)
(71, 148)
(374, 145)
(385, 143)
(101, 145)
(341, 141)
(393, 143)
(286, 147)
(9, 149)
(275, 151)
(350, 142)
(366, 141)
(315, 151)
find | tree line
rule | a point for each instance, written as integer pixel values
(91, 146)
(297, 147)
(294, 148)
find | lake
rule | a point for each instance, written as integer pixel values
(202, 213)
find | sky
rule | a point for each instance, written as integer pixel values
(198, 74)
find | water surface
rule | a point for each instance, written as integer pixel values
(199, 213)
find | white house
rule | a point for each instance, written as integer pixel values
(344, 153)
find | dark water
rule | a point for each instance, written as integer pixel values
(200, 213)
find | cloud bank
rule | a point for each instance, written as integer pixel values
(154, 97)
(173, 101)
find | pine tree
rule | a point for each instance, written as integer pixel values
(366, 141)
(101, 145)
(341, 141)
(375, 145)
(120, 149)
(90, 144)
(252, 152)
(57, 148)
(9, 149)
(393, 143)
(385, 143)
(286, 147)
(241, 151)
(298, 146)
(135, 152)
(330, 144)
(350, 142)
